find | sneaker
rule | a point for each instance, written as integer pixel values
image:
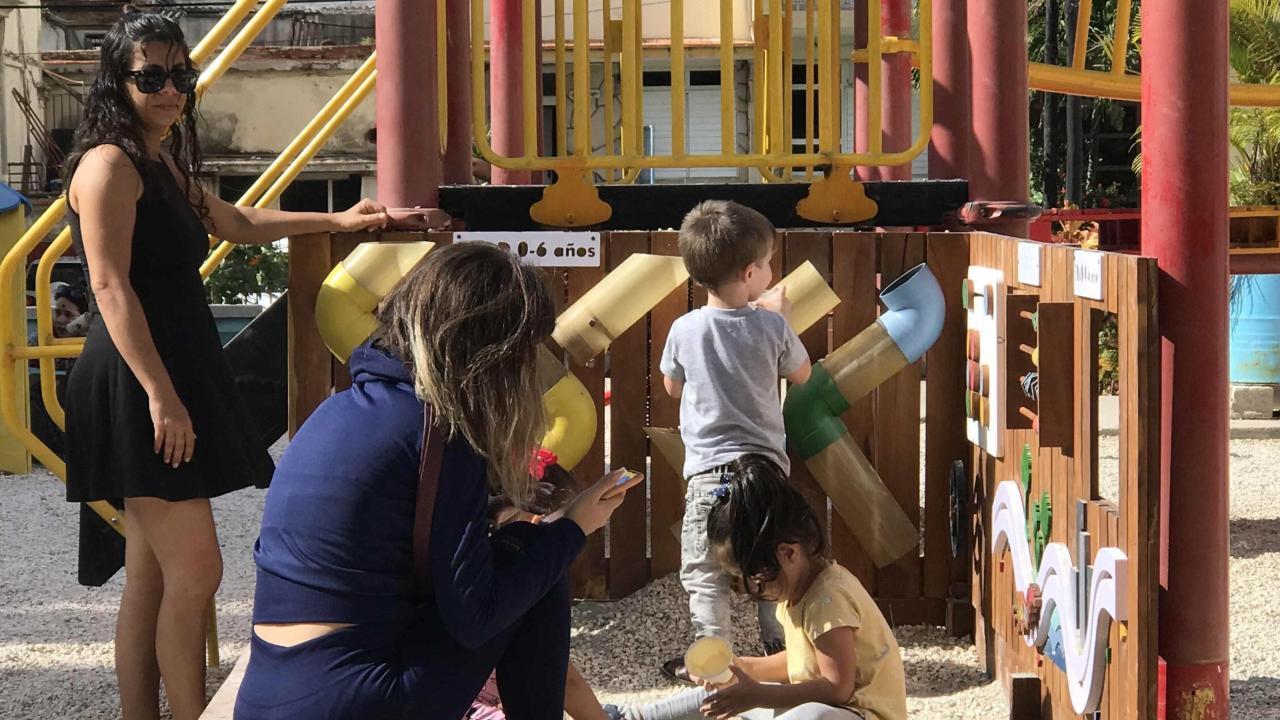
(613, 712)
(675, 671)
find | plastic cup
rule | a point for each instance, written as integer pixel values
(709, 658)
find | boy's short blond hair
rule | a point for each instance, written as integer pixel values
(719, 238)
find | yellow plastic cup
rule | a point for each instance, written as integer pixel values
(709, 658)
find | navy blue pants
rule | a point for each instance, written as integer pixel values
(419, 670)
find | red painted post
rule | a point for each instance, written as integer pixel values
(457, 158)
(506, 90)
(1185, 227)
(895, 93)
(999, 158)
(952, 124)
(861, 92)
(408, 134)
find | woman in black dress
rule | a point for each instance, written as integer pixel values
(153, 415)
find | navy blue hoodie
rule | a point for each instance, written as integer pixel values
(336, 543)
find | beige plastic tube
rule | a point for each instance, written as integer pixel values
(587, 327)
(811, 298)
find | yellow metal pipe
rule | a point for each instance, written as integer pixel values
(49, 393)
(562, 91)
(221, 30)
(809, 64)
(677, 77)
(632, 143)
(1093, 83)
(637, 108)
(728, 133)
(479, 101)
(776, 60)
(875, 81)
(1120, 41)
(788, 83)
(442, 74)
(35, 352)
(1081, 47)
(532, 90)
(610, 123)
(238, 44)
(828, 76)
(296, 167)
(760, 80)
(581, 80)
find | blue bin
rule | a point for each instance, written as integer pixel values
(1255, 331)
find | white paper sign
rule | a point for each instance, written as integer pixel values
(1029, 263)
(1088, 274)
(544, 249)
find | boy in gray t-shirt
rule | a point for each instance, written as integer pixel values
(723, 362)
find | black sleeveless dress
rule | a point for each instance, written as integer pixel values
(110, 435)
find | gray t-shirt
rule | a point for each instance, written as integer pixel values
(730, 362)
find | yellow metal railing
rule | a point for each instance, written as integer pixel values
(771, 149)
(268, 187)
(1116, 83)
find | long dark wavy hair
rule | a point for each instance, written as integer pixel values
(755, 511)
(110, 118)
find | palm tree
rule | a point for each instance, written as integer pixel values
(1255, 132)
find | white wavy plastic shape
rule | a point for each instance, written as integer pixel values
(1086, 662)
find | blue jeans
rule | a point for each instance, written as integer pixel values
(417, 671)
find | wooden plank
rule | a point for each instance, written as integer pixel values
(666, 487)
(853, 278)
(897, 429)
(310, 372)
(800, 247)
(1144, 588)
(628, 446)
(1024, 697)
(945, 441)
(590, 571)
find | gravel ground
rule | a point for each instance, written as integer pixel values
(55, 636)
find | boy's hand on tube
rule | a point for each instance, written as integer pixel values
(775, 299)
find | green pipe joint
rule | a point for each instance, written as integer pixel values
(812, 413)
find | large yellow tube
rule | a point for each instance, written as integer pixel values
(571, 420)
(353, 289)
(860, 497)
(616, 303)
(811, 298)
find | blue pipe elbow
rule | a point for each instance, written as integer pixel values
(916, 310)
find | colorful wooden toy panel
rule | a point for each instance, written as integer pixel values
(1064, 581)
(983, 293)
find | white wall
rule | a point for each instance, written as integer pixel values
(19, 67)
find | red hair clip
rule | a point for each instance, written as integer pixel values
(539, 461)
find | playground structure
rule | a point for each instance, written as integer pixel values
(971, 58)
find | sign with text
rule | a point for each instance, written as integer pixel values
(544, 249)
(1029, 263)
(1088, 274)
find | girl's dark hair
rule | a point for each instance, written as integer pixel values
(110, 118)
(756, 511)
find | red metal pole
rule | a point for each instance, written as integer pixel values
(1185, 227)
(408, 132)
(862, 93)
(999, 159)
(457, 157)
(895, 21)
(506, 90)
(952, 124)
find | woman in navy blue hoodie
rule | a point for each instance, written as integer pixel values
(342, 628)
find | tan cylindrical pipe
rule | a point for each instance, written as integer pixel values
(863, 502)
(587, 327)
(811, 298)
(865, 362)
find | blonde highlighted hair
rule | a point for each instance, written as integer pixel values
(469, 319)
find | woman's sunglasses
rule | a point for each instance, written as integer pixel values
(151, 79)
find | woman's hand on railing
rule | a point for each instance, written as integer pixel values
(364, 215)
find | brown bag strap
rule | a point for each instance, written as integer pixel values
(428, 481)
